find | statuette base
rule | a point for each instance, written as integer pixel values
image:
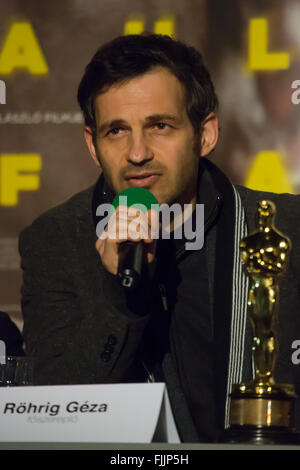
(261, 436)
(262, 418)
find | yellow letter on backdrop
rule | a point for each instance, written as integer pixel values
(135, 25)
(267, 174)
(21, 50)
(165, 26)
(259, 56)
(11, 178)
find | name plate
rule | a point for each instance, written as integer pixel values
(87, 413)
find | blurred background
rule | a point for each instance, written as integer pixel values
(251, 48)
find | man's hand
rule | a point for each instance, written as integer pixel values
(127, 223)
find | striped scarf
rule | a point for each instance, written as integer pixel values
(239, 306)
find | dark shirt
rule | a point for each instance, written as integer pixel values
(190, 332)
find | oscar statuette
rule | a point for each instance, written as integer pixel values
(261, 410)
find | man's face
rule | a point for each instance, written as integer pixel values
(145, 138)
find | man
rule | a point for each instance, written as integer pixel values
(150, 118)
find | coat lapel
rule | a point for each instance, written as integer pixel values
(222, 290)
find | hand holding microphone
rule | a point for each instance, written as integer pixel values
(126, 242)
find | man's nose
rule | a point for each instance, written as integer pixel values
(139, 149)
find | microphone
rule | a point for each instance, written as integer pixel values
(130, 263)
(131, 253)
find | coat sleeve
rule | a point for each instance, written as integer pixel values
(73, 341)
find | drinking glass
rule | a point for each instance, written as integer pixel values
(16, 371)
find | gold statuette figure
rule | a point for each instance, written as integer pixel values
(262, 411)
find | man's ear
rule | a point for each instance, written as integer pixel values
(209, 134)
(88, 135)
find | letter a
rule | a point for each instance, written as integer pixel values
(21, 50)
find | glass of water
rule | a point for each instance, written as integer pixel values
(16, 371)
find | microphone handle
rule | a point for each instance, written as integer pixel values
(130, 263)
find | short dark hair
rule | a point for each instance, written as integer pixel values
(126, 57)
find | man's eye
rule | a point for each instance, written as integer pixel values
(114, 131)
(161, 126)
